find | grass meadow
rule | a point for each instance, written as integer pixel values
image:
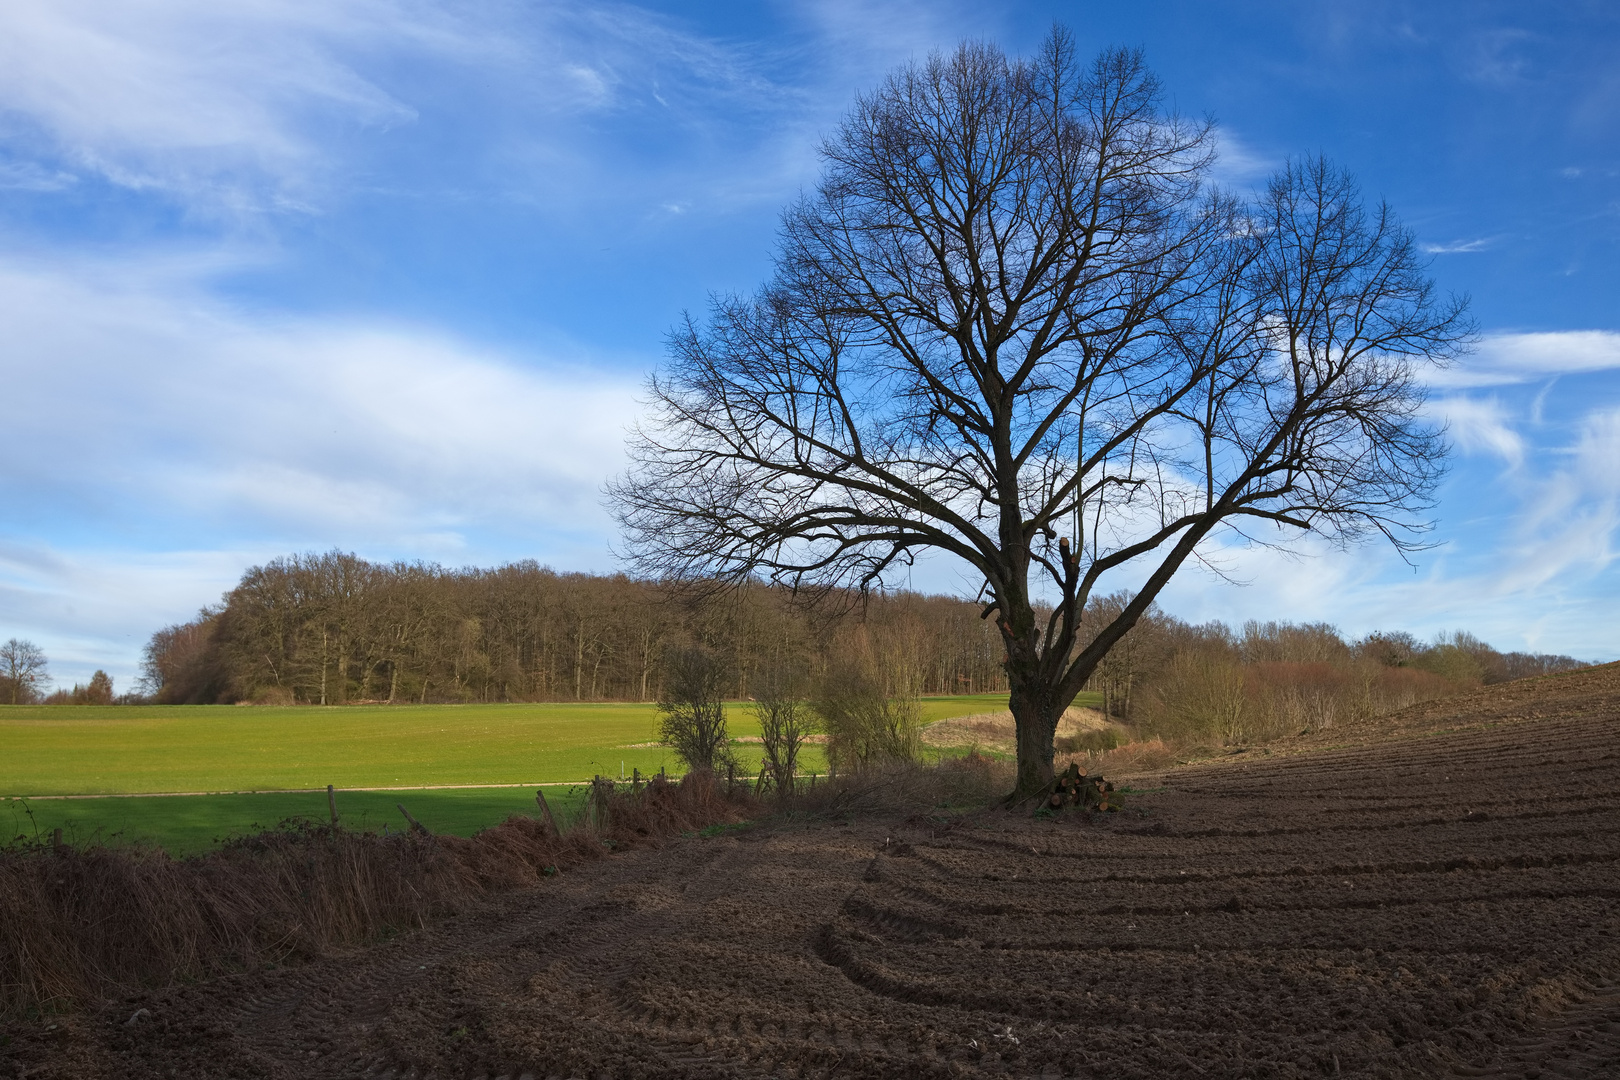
(230, 770)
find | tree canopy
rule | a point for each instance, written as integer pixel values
(1016, 324)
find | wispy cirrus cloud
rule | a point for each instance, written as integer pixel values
(1504, 359)
(1482, 425)
(1571, 516)
(280, 104)
(186, 96)
(28, 176)
(1454, 247)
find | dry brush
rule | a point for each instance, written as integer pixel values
(86, 924)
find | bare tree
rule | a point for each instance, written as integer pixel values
(183, 665)
(1014, 325)
(691, 712)
(785, 719)
(100, 690)
(23, 670)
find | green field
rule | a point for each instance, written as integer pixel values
(240, 767)
(184, 824)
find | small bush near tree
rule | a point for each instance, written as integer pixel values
(691, 712)
(1200, 696)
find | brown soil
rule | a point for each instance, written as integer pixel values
(1406, 904)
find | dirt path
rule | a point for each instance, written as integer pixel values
(1437, 906)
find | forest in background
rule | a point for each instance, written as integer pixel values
(336, 629)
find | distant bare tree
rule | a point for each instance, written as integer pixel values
(1012, 309)
(100, 690)
(23, 670)
(691, 712)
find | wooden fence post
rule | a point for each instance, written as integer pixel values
(417, 825)
(545, 812)
(331, 804)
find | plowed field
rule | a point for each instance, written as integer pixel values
(1433, 905)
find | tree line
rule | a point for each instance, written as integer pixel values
(335, 628)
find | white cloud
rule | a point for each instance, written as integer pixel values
(97, 608)
(143, 416)
(27, 176)
(1526, 561)
(128, 390)
(273, 103)
(1455, 247)
(188, 95)
(1241, 165)
(1504, 359)
(1572, 515)
(860, 35)
(1481, 425)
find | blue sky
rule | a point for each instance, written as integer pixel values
(383, 275)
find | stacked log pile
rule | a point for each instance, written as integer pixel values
(1075, 788)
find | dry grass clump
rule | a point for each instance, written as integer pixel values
(82, 924)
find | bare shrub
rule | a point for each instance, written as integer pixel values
(894, 786)
(691, 712)
(785, 720)
(1292, 696)
(1392, 689)
(1281, 679)
(1199, 697)
(1452, 662)
(865, 722)
(82, 924)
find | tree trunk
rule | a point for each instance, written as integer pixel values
(579, 663)
(1035, 715)
(340, 684)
